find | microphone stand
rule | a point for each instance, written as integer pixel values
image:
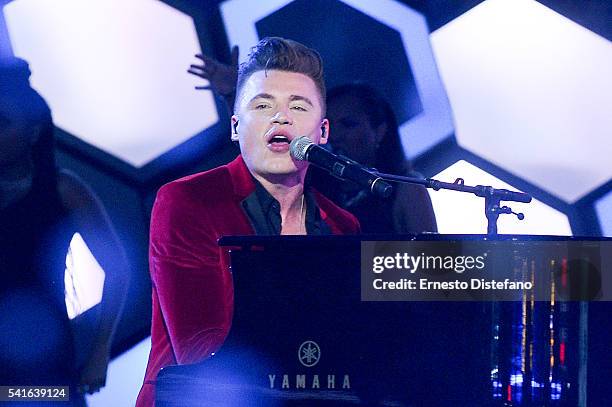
(492, 196)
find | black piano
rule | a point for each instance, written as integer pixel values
(301, 336)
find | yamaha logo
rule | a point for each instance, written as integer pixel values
(309, 353)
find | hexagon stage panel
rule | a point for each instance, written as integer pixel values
(83, 278)
(531, 91)
(113, 72)
(603, 207)
(420, 99)
(361, 50)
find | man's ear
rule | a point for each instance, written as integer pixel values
(235, 122)
(324, 131)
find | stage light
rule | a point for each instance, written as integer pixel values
(83, 278)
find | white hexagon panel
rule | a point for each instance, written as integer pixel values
(603, 208)
(463, 213)
(419, 133)
(114, 72)
(531, 91)
(83, 278)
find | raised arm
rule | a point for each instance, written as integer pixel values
(221, 77)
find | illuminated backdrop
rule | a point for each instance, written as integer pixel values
(507, 93)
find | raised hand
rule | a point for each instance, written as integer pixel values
(221, 77)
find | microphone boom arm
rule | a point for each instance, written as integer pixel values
(492, 196)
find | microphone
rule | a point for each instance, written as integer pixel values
(303, 149)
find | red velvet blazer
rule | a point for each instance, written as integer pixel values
(192, 287)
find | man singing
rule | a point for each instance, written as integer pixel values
(280, 95)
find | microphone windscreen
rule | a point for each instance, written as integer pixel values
(299, 147)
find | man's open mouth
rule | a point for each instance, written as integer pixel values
(279, 139)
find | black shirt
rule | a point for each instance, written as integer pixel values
(263, 212)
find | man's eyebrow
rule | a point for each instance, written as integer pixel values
(261, 96)
(302, 98)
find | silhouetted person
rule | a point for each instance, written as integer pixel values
(365, 129)
(41, 208)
